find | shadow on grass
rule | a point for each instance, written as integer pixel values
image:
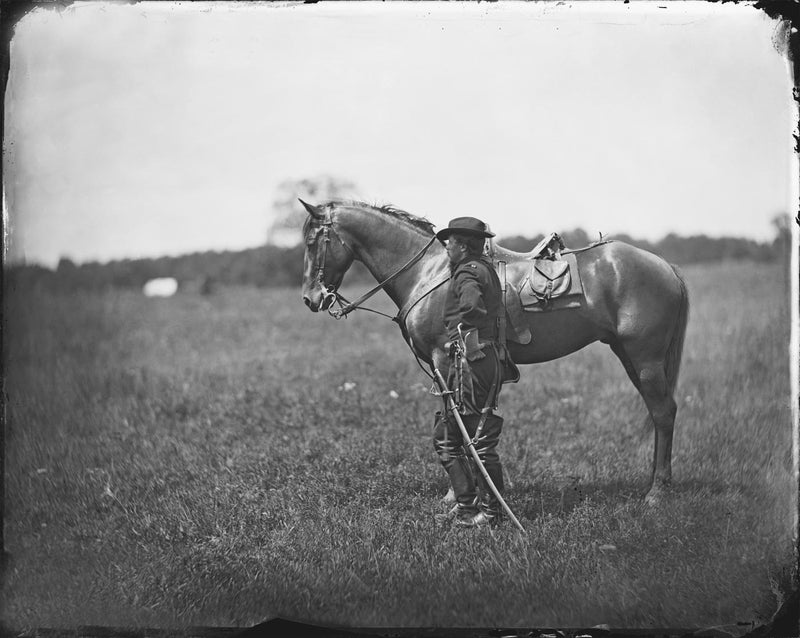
(564, 496)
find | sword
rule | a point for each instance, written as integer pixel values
(471, 446)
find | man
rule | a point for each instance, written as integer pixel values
(472, 314)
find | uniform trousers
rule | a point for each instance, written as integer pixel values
(476, 385)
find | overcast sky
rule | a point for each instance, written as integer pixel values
(151, 129)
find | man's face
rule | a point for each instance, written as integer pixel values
(456, 251)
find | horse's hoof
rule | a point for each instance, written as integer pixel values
(656, 496)
(652, 499)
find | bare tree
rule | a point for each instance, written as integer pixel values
(782, 244)
(289, 214)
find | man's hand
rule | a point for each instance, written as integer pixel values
(474, 350)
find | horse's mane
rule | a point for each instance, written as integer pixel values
(386, 209)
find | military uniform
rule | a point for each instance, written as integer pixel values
(471, 314)
(474, 303)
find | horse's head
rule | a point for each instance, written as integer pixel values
(327, 258)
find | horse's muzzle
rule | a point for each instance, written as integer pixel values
(319, 300)
(313, 307)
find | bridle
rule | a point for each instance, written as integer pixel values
(326, 229)
(331, 292)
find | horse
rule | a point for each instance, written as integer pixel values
(634, 301)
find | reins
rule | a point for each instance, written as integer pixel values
(348, 306)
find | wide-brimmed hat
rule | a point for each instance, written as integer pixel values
(464, 226)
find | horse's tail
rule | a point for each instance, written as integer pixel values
(672, 361)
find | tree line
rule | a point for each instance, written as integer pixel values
(279, 266)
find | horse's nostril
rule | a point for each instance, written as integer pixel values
(307, 301)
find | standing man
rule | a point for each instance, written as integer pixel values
(472, 313)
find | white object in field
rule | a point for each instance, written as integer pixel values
(160, 287)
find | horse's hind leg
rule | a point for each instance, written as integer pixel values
(650, 378)
(662, 408)
(633, 375)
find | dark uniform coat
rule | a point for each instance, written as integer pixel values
(474, 300)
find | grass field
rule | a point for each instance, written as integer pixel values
(200, 461)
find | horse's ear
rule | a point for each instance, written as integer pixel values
(314, 211)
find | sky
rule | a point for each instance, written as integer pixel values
(149, 129)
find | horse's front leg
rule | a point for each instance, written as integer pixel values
(441, 362)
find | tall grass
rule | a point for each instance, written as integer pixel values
(223, 460)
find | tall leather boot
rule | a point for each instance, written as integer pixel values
(449, 447)
(463, 482)
(489, 503)
(490, 509)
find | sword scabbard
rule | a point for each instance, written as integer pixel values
(471, 447)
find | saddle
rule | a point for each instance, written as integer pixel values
(548, 281)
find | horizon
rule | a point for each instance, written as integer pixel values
(499, 241)
(170, 130)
